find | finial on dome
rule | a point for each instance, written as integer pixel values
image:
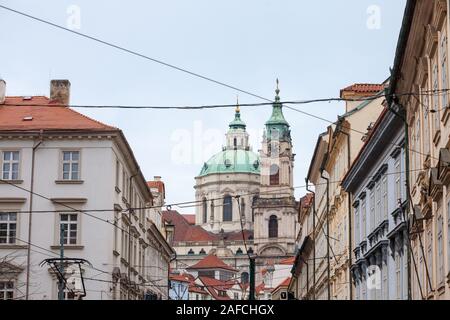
(277, 91)
(238, 109)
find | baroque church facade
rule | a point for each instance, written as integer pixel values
(239, 194)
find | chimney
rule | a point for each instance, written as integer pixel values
(60, 91)
(2, 91)
(157, 178)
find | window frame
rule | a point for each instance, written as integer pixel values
(272, 223)
(6, 290)
(8, 223)
(11, 163)
(70, 162)
(66, 231)
(225, 213)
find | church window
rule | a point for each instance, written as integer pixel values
(242, 208)
(273, 226)
(205, 210)
(227, 209)
(239, 251)
(202, 251)
(244, 277)
(274, 175)
(191, 251)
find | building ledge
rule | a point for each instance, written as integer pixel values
(67, 247)
(69, 181)
(11, 182)
(13, 200)
(12, 246)
(69, 200)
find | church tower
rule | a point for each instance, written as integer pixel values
(276, 209)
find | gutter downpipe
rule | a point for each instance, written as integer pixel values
(314, 239)
(129, 229)
(349, 197)
(33, 152)
(393, 100)
(328, 232)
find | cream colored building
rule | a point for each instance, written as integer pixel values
(421, 68)
(335, 151)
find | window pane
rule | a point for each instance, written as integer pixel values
(74, 166)
(66, 155)
(74, 175)
(6, 167)
(3, 216)
(73, 217)
(66, 167)
(64, 217)
(7, 155)
(75, 155)
(16, 155)
(66, 176)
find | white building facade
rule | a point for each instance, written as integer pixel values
(61, 169)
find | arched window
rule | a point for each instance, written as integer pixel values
(202, 251)
(273, 226)
(242, 208)
(244, 277)
(227, 209)
(253, 205)
(191, 252)
(274, 175)
(205, 211)
(211, 211)
(250, 250)
(235, 142)
(239, 251)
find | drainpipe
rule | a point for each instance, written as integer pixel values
(394, 100)
(314, 240)
(33, 152)
(328, 232)
(349, 203)
(129, 230)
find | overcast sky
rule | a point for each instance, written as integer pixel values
(315, 48)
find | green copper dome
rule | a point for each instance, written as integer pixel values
(277, 126)
(232, 161)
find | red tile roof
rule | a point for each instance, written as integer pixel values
(44, 114)
(259, 288)
(307, 200)
(362, 89)
(189, 218)
(197, 289)
(211, 261)
(157, 185)
(179, 278)
(187, 232)
(214, 286)
(288, 261)
(283, 284)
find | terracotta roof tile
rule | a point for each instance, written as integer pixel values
(283, 284)
(211, 261)
(44, 115)
(362, 89)
(287, 261)
(214, 286)
(179, 278)
(190, 218)
(157, 185)
(187, 232)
